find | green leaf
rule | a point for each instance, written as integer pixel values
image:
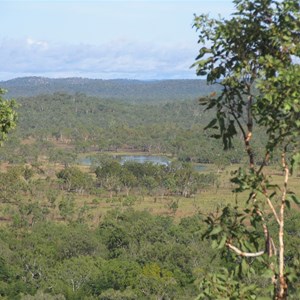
(295, 162)
(288, 204)
(211, 124)
(222, 242)
(214, 244)
(268, 273)
(294, 198)
(244, 266)
(216, 230)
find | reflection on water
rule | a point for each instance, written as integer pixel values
(160, 160)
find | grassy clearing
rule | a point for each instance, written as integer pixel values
(94, 207)
(205, 201)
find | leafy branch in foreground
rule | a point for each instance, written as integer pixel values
(254, 56)
(8, 116)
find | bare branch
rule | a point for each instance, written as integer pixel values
(266, 159)
(271, 206)
(270, 246)
(244, 254)
(273, 247)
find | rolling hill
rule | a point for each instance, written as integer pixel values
(121, 89)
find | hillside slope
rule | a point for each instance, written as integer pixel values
(121, 89)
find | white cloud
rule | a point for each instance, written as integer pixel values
(33, 43)
(115, 59)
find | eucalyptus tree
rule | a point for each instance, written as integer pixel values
(254, 57)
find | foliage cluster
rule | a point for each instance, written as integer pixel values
(8, 116)
(130, 255)
(254, 57)
(174, 179)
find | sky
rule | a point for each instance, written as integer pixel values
(139, 39)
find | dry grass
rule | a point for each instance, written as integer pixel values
(206, 201)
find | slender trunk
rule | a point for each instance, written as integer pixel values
(282, 289)
(250, 129)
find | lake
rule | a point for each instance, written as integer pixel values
(156, 159)
(160, 160)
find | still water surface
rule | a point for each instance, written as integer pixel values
(160, 160)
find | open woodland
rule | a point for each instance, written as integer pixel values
(217, 219)
(112, 230)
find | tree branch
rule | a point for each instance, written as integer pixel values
(271, 206)
(244, 254)
(269, 243)
(238, 122)
(266, 159)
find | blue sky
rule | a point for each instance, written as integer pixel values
(139, 39)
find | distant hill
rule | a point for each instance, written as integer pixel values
(122, 89)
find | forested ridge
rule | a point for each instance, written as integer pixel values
(121, 89)
(89, 123)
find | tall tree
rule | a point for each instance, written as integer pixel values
(254, 56)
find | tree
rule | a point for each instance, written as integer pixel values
(65, 157)
(8, 116)
(127, 179)
(254, 57)
(74, 180)
(70, 275)
(108, 175)
(11, 185)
